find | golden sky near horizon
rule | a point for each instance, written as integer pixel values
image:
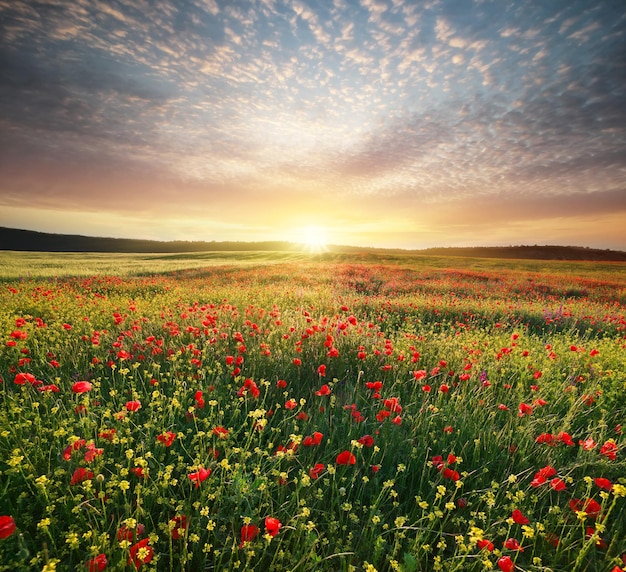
(364, 122)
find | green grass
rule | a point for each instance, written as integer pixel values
(470, 377)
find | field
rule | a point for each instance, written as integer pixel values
(286, 412)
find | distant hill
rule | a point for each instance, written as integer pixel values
(28, 240)
(532, 252)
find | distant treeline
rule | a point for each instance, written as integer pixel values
(28, 240)
(532, 252)
(13, 239)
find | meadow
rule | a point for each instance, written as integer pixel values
(330, 412)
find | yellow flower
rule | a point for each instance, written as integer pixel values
(619, 490)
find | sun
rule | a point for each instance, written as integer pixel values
(313, 237)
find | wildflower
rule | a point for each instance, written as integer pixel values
(96, 563)
(141, 553)
(310, 441)
(314, 472)
(449, 473)
(178, 526)
(366, 441)
(220, 432)
(392, 405)
(199, 476)
(51, 388)
(609, 450)
(291, 404)
(590, 507)
(558, 484)
(518, 517)
(525, 409)
(588, 444)
(324, 390)
(81, 474)
(485, 544)
(321, 370)
(251, 387)
(272, 525)
(506, 564)
(199, 399)
(133, 405)
(603, 483)
(346, 458)
(81, 387)
(248, 533)
(513, 544)
(166, 438)
(7, 526)
(23, 378)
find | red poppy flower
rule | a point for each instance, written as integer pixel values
(321, 370)
(392, 405)
(603, 483)
(291, 404)
(513, 544)
(23, 378)
(220, 431)
(374, 385)
(166, 438)
(81, 387)
(272, 525)
(133, 405)
(125, 533)
(281, 384)
(199, 476)
(141, 553)
(81, 474)
(251, 387)
(97, 563)
(558, 484)
(525, 409)
(317, 470)
(92, 452)
(310, 441)
(590, 506)
(366, 441)
(107, 434)
(518, 517)
(451, 474)
(180, 523)
(609, 450)
(7, 526)
(51, 388)
(248, 533)
(506, 564)
(324, 390)
(346, 458)
(485, 544)
(588, 444)
(139, 472)
(565, 438)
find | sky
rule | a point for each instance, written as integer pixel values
(385, 123)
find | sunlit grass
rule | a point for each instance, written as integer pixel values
(267, 411)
